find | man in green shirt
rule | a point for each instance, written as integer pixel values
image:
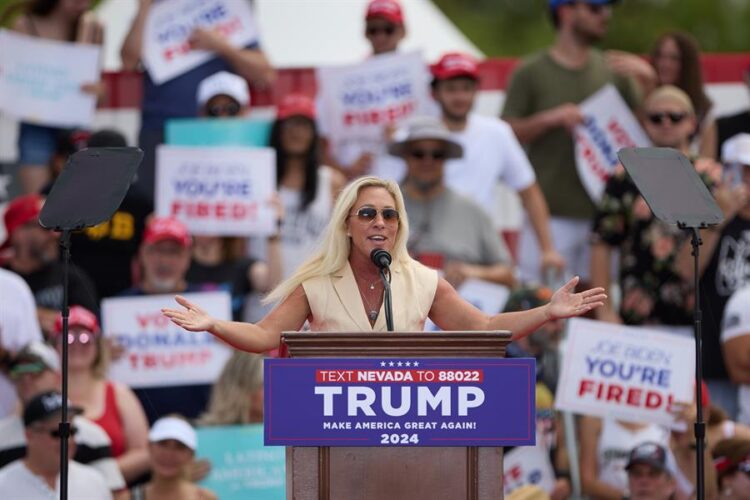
(542, 108)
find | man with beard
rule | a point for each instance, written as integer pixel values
(542, 108)
(164, 258)
(33, 253)
(448, 231)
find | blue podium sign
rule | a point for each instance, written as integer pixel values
(399, 402)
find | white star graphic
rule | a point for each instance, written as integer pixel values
(400, 363)
(390, 363)
(416, 363)
(408, 363)
(382, 363)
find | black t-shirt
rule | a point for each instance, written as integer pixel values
(47, 286)
(106, 251)
(728, 270)
(730, 126)
(233, 276)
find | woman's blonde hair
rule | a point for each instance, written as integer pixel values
(334, 248)
(230, 401)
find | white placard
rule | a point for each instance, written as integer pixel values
(608, 126)
(359, 101)
(159, 353)
(527, 465)
(626, 372)
(490, 298)
(166, 47)
(40, 80)
(220, 191)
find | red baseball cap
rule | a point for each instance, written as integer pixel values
(454, 65)
(166, 228)
(20, 211)
(389, 10)
(296, 105)
(78, 316)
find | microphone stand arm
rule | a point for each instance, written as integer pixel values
(385, 277)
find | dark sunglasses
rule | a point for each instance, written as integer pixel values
(228, 109)
(658, 118)
(368, 214)
(374, 30)
(55, 433)
(421, 154)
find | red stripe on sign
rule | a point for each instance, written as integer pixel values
(124, 88)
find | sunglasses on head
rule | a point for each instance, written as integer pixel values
(420, 154)
(368, 214)
(387, 30)
(659, 118)
(228, 109)
(55, 433)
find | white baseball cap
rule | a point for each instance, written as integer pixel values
(225, 83)
(736, 149)
(173, 428)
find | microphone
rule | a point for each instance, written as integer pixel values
(380, 258)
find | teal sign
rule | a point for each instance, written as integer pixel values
(218, 132)
(241, 467)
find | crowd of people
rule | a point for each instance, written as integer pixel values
(434, 211)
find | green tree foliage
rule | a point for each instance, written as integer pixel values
(518, 27)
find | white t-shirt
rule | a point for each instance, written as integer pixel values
(84, 483)
(491, 154)
(90, 440)
(736, 323)
(18, 327)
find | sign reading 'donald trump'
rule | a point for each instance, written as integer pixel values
(159, 353)
(40, 80)
(400, 402)
(633, 373)
(357, 102)
(167, 51)
(608, 126)
(217, 190)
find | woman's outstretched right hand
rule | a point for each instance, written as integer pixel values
(191, 318)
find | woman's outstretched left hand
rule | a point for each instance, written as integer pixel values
(565, 303)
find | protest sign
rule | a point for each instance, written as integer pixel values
(608, 126)
(440, 402)
(357, 102)
(217, 132)
(40, 80)
(631, 373)
(527, 465)
(159, 353)
(241, 467)
(217, 190)
(167, 52)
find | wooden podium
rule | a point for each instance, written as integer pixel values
(394, 473)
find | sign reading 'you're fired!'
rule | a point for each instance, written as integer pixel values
(399, 402)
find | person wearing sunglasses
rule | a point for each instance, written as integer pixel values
(338, 287)
(37, 474)
(384, 31)
(111, 405)
(449, 231)
(542, 107)
(655, 279)
(223, 95)
(36, 369)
